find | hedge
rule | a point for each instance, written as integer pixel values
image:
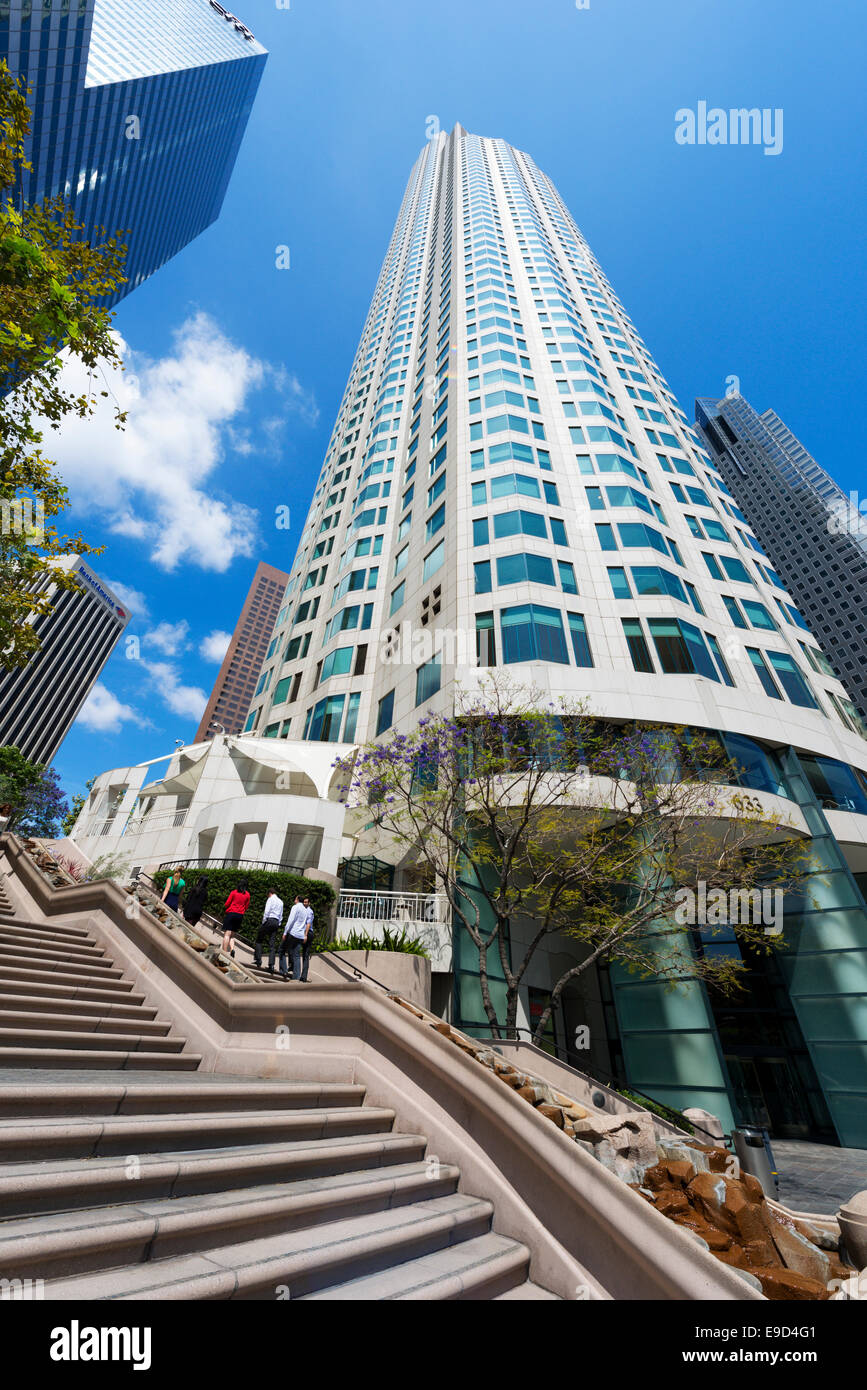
(259, 882)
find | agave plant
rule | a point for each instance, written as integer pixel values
(389, 941)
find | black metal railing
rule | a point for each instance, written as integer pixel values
(615, 1083)
(269, 868)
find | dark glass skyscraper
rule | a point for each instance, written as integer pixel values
(138, 113)
(815, 535)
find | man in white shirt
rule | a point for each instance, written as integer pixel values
(308, 941)
(294, 935)
(271, 919)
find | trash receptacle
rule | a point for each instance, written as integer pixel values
(753, 1148)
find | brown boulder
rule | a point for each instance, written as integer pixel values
(787, 1284)
(552, 1112)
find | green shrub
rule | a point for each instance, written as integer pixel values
(389, 941)
(259, 882)
(666, 1112)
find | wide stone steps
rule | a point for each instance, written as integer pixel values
(297, 1263)
(182, 1185)
(64, 1003)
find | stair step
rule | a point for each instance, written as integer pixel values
(153, 1134)
(27, 938)
(70, 977)
(131, 1097)
(58, 929)
(58, 1038)
(13, 1020)
(46, 988)
(56, 960)
(57, 1004)
(527, 1291)
(63, 1184)
(296, 1262)
(92, 1239)
(105, 1061)
(483, 1267)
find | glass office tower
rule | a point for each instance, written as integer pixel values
(138, 113)
(510, 474)
(815, 534)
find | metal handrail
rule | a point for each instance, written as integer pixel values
(241, 864)
(614, 1083)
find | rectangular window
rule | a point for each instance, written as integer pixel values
(606, 536)
(533, 633)
(433, 561)
(619, 582)
(482, 570)
(427, 680)
(768, 683)
(735, 569)
(533, 569)
(480, 531)
(790, 678)
(718, 657)
(713, 567)
(758, 615)
(397, 598)
(567, 577)
(436, 522)
(734, 611)
(324, 720)
(486, 643)
(518, 523)
(638, 649)
(385, 713)
(580, 644)
(281, 690)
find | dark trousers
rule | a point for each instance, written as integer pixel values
(305, 956)
(290, 945)
(268, 931)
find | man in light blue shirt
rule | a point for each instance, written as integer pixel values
(308, 942)
(294, 935)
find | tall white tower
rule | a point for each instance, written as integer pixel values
(511, 483)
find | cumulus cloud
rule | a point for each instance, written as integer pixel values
(188, 701)
(155, 481)
(104, 713)
(215, 645)
(170, 638)
(132, 599)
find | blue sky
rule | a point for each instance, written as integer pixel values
(730, 262)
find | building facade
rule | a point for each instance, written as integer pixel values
(511, 484)
(239, 673)
(138, 114)
(814, 533)
(40, 702)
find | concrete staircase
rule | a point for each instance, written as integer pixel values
(127, 1173)
(64, 1003)
(201, 1187)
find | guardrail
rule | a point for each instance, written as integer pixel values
(356, 904)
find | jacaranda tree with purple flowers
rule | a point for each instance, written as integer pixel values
(540, 821)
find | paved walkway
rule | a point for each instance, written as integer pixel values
(818, 1177)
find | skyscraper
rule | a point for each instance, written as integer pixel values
(138, 113)
(815, 534)
(511, 482)
(39, 703)
(236, 680)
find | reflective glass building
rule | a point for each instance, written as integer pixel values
(138, 113)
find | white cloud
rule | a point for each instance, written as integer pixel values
(215, 646)
(154, 481)
(132, 599)
(186, 700)
(170, 638)
(104, 713)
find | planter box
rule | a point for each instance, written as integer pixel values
(407, 975)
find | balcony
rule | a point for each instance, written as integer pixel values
(423, 915)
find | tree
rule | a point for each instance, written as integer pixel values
(540, 821)
(33, 795)
(51, 286)
(77, 806)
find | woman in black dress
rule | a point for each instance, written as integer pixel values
(194, 902)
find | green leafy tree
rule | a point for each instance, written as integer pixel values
(52, 283)
(77, 806)
(542, 822)
(30, 795)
